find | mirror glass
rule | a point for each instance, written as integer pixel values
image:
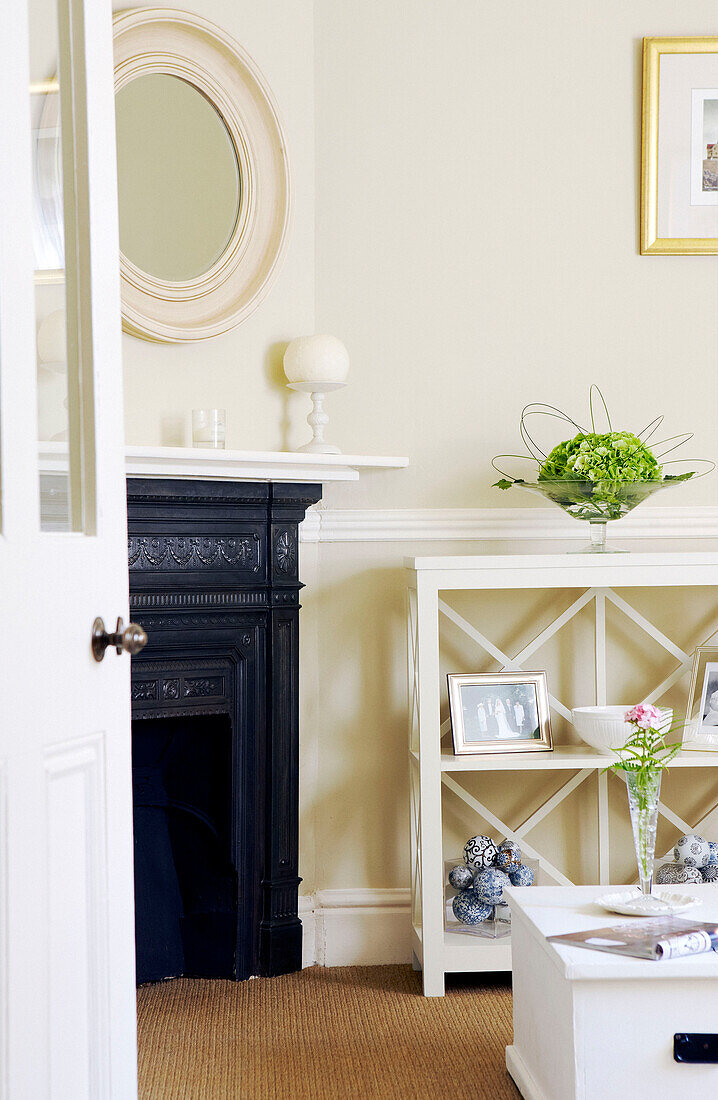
(178, 177)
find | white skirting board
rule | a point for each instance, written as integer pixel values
(356, 927)
(309, 935)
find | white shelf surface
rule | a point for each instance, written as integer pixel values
(562, 758)
(467, 954)
(464, 954)
(516, 558)
(220, 465)
(515, 569)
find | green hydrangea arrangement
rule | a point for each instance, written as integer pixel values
(611, 457)
(596, 476)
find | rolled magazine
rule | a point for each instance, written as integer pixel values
(656, 938)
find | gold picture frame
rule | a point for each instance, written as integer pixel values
(652, 243)
(489, 711)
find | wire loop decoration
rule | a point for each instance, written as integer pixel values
(659, 449)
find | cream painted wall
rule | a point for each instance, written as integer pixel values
(477, 227)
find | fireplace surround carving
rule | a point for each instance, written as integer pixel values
(214, 582)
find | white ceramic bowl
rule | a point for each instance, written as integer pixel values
(603, 728)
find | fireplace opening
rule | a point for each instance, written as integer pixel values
(185, 883)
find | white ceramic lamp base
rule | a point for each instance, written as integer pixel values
(318, 419)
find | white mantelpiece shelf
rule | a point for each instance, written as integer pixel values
(191, 462)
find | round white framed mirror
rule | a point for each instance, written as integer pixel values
(204, 184)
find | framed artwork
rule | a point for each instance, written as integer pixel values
(679, 160)
(499, 712)
(701, 730)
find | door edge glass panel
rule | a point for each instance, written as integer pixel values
(61, 239)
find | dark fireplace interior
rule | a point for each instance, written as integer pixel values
(185, 882)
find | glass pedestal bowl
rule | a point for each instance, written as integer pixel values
(597, 503)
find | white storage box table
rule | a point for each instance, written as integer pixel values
(599, 1026)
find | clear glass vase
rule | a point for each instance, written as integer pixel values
(643, 793)
(598, 503)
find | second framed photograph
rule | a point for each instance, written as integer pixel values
(499, 712)
(701, 730)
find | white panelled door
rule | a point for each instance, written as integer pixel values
(67, 1015)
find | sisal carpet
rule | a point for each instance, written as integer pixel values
(344, 1033)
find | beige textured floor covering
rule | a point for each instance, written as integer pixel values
(325, 1034)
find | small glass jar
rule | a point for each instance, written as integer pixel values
(208, 428)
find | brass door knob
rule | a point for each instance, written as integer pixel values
(127, 639)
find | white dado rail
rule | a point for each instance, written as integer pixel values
(499, 524)
(192, 462)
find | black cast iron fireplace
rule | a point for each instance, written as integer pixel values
(214, 581)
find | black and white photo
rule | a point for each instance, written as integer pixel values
(709, 699)
(499, 712)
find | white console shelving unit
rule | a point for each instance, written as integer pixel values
(437, 951)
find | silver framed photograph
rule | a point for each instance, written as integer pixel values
(499, 712)
(701, 730)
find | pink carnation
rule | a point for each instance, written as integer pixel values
(644, 716)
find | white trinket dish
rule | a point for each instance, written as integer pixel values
(661, 903)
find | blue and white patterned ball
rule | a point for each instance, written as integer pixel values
(461, 877)
(675, 874)
(522, 876)
(480, 851)
(692, 874)
(468, 909)
(489, 885)
(713, 845)
(669, 873)
(509, 857)
(692, 850)
(710, 872)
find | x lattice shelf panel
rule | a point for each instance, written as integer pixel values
(432, 772)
